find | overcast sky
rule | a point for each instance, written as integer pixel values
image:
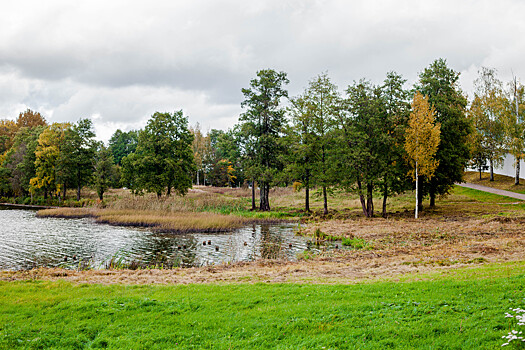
(118, 62)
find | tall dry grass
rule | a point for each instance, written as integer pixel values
(176, 222)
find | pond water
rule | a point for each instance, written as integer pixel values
(27, 242)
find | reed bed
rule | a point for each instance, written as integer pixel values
(68, 213)
(173, 222)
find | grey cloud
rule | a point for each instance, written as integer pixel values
(123, 60)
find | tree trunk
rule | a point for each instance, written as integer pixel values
(417, 194)
(325, 201)
(491, 170)
(517, 179)
(385, 196)
(362, 197)
(78, 192)
(158, 195)
(197, 178)
(432, 199)
(369, 200)
(264, 194)
(307, 192)
(253, 194)
(169, 191)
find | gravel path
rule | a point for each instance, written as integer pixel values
(493, 190)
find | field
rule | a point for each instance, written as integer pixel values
(443, 281)
(465, 310)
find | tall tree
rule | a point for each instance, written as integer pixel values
(123, 143)
(486, 112)
(47, 152)
(362, 141)
(164, 158)
(422, 140)
(441, 85)
(8, 129)
(514, 121)
(313, 118)
(76, 159)
(199, 151)
(20, 159)
(264, 120)
(104, 169)
(396, 108)
(30, 119)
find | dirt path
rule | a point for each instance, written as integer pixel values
(492, 190)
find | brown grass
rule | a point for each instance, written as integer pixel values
(175, 222)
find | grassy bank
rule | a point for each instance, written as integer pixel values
(500, 182)
(442, 313)
(176, 222)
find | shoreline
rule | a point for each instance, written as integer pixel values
(27, 206)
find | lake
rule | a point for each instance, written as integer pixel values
(27, 242)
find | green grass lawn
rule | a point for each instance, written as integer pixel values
(451, 312)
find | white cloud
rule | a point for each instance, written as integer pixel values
(124, 60)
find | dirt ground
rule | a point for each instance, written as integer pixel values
(396, 248)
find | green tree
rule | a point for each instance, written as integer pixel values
(486, 112)
(514, 123)
(20, 159)
(263, 121)
(395, 110)
(441, 85)
(362, 141)
(199, 151)
(164, 158)
(123, 143)
(104, 170)
(76, 159)
(313, 117)
(422, 140)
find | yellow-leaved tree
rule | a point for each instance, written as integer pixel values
(422, 140)
(47, 153)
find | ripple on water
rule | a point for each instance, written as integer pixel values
(27, 241)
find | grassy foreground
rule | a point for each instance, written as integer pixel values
(465, 312)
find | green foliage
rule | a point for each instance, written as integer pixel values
(487, 114)
(441, 85)
(123, 143)
(164, 159)
(76, 158)
(438, 313)
(370, 140)
(20, 159)
(104, 170)
(261, 125)
(309, 138)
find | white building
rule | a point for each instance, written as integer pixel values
(508, 167)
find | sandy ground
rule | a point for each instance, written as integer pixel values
(397, 248)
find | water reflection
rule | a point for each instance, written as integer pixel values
(27, 241)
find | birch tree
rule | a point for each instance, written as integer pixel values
(422, 141)
(514, 121)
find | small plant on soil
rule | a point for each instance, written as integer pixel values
(357, 243)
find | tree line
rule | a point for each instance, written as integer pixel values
(373, 140)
